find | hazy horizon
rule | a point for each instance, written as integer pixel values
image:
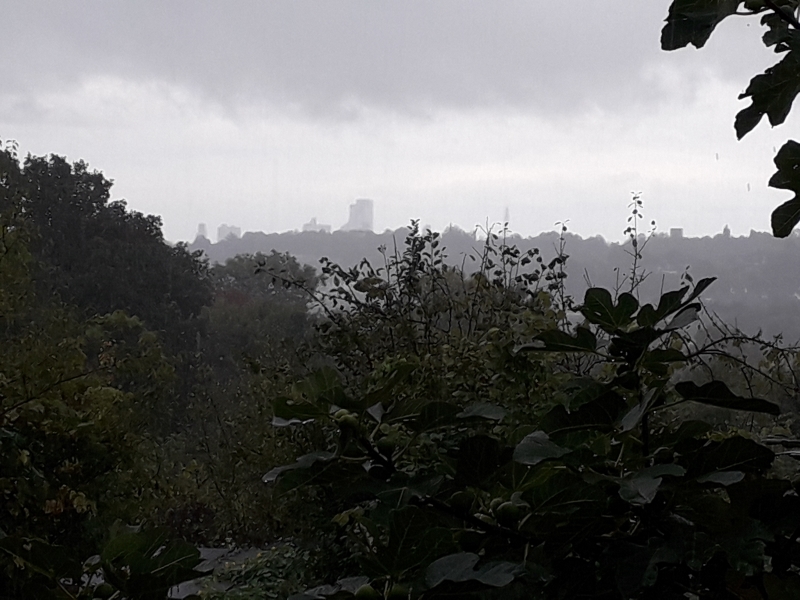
(264, 115)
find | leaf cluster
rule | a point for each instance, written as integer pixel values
(594, 489)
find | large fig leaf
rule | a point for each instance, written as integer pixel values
(536, 447)
(716, 393)
(730, 455)
(599, 308)
(787, 215)
(693, 21)
(560, 341)
(771, 93)
(461, 567)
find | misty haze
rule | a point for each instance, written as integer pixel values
(400, 300)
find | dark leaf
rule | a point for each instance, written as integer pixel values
(732, 454)
(304, 462)
(722, 477)
(687, 315)
(772, 94)
(560, 341)
(483, 411)
(536, 447)
(787, 215)
(641, 487)
(693, 21)
(287, 411)
(700, 287)
(716, 393)
(598, 308)
(601, 413)
(461, 567)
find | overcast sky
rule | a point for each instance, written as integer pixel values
(266, 114)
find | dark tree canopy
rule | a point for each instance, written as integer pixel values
(100, 256)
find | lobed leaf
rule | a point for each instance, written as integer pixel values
(460, 567)
(693, 21)
(771, 93)
(537, 447)
(716, 393)
(787, 215)
(599, 308)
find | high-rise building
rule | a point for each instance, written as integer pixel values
(202, 231)
(361, 214)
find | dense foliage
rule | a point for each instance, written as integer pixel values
(459, 459)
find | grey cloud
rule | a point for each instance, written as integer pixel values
(325, 56)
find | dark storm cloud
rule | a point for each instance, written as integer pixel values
(326, 56)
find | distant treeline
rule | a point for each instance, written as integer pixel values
(758, 277)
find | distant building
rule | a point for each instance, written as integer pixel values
(676, 232)
(312, 225)
(202, 231)
(360, 216)
(726, 232)
(225, 231)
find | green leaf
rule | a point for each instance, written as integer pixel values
(601, 414)
(725, 478)
(324, 387)
(700, 287)
(693, 21)
(536, 447)
(482, 410)
(634, 416)
(385, 392)
(647, 316)
(686, 316)
(461, 567)
(670, 302)
(641, 487)
(787, 215)
(555, 340)
(716, 393)
(732, 454)
(598, 308)
(772, 94)
(346, 588)
(287, 411)
(304, 462)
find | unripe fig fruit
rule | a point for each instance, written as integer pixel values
(508, 513)
(398, 592)
(339, 414)
(348, 421)
(367, 592)
(386, 446)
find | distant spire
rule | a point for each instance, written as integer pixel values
(506, 217)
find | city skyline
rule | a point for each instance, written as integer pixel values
(269, 114)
